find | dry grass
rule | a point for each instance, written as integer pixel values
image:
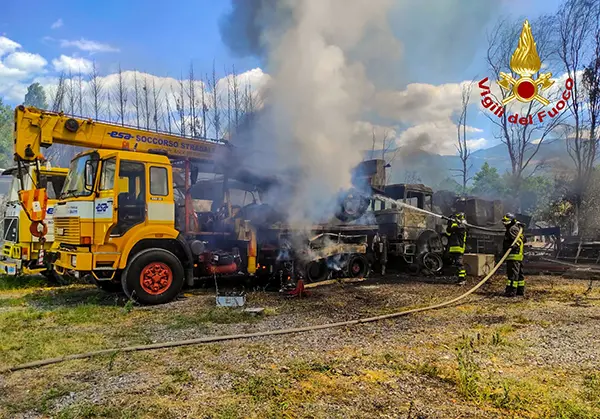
(491, 357)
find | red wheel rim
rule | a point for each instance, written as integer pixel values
(356, 267)
(156, 278)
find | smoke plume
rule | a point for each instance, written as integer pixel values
(323, 57)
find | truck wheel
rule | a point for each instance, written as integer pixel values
(358, 266)
(316, 271)
(154, 276)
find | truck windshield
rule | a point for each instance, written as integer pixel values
(75, 182)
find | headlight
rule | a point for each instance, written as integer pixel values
(74, 260)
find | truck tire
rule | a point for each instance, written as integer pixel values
(358, 266)
(153, 276)
(317, 270)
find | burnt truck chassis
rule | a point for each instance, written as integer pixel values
(318, 253)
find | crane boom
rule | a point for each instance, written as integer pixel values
(36, 129)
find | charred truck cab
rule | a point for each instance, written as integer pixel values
(413, 237)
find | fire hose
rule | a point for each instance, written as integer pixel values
(211, 339)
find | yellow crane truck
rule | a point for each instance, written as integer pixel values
(120, 217)
(22, 252)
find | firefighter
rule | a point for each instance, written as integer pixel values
(457, 240)
(514, 262)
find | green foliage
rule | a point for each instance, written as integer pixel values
(6, 132)
(488, 182)
(22, 282)
(536, 194)
(35, 96)
(468, 370)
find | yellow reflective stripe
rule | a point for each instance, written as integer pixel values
(520, 283)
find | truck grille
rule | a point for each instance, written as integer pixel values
(11, 229)
(66, 230)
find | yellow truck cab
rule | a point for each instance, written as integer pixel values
(121, 218)
(22, 253)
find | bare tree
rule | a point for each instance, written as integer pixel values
(147, 111)
(236, 98)
(136, 98)
(71, 93)
(180, 107)
(462, 146)
(156, 105)
(96, 88)
(80, 93)
(59, 94)
(204, 109)
(216, 103)
(169, 127)
(122, 97)
(229, 104)
(523, 142)
(109, 106)
(578, 25)
(191, 94)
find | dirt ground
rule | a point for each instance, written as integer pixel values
(489, 357)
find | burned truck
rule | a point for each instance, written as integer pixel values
(402, 213)
(284, 253)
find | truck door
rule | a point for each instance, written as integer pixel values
(131, 201)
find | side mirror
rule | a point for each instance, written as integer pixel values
(89, 175)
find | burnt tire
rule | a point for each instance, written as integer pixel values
(358, 266)
(317, 270)
(153, 276)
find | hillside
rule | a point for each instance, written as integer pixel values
(432, 168)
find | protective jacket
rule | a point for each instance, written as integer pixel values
(457, 237)
(511, 234)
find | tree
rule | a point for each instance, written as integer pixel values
(536, 194)
(192, 102)
(462, 146)
(96, 87)
(71, 94)
(35, 96)
(146, 103)
(488, 183)
(136, 99)
(6, 134)
(156, 105)
(216, 104)
(59, 94)
(122, 93)
(522, 141)
(578, 25)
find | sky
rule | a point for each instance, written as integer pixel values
(162, 39)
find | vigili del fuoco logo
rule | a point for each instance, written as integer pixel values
(525, 62)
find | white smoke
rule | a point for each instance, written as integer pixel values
(317, 93)
(327, 60)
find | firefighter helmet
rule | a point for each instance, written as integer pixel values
(460, 216)
(508, 218)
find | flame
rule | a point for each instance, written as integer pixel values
(525, 60)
